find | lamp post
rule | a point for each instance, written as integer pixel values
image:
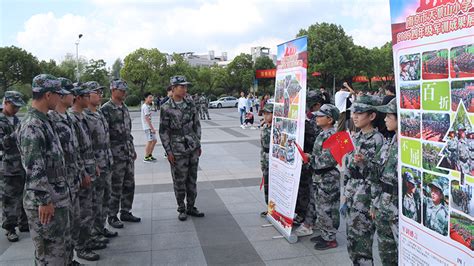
(78, 74)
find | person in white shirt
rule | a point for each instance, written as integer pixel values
(150, 131)
(340, 100)
(242, 108)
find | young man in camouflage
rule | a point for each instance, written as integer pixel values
(180, 134)
(265, 143)
(13, 172)
(358, 173)
(411, 198)
(385, 201)
(204, 102)
(46, 197)
(99, 130)
(88, 172)
(436, 211)
(123, 151)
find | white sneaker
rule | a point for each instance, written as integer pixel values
(252, 128)
(303, 231)
(242, 126)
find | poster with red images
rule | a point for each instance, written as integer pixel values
(433, 51)
(287, 130)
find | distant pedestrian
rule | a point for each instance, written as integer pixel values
(242, 108)
(341, 98)
(150, 132)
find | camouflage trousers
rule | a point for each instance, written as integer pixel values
(310, 213)
(13, 212)
(52, 241)
(204, 113)
(304, 196)
(75, 221)
(85, 203)
(184, 173)
(386, 223)
(265, 184)
(122, 186)
(327, 199)
(101, 198)
(360, 227)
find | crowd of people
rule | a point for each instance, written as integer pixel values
(435, 126)
(410, 98)
(410, 127)
(465, 95)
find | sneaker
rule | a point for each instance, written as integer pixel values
(263, 214)
(194, 212)
(87, 254)
(23, 228)
(242, 126)
(303, 231)
(128, 217)
(115, 222)
(107, 233)
(323, 245)
(12, 236)
(147, 160)
(153, 158)
(101, 239)
(94, 245)
(182, 216)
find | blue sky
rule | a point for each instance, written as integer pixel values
(112, 29)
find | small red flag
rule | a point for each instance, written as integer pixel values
(339, 145)
(303, 155)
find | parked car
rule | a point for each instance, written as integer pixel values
(228, 101)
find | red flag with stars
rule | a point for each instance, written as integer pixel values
(339, 145)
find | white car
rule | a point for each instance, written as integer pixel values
(228, 101)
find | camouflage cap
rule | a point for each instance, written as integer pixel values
(119, 84)
(268, 108)
(389, 108)
(409, 178)
(178, 80)
(66, 86)
(328, 110)
(314, 97)
(94, 86)
(44, 83)
(435, 183)
(80, 89)
(14, 97)
(363, 104)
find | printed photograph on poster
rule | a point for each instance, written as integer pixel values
(288, 88)
(289, 126)
(435, 126)
(458, 153)
(462, 90)
(462, 198)
(462, 58)
(410, 124)
(435, 203)
(410, 96)
(410, 67)
(435, 64)
(461, 229)
(285, 149)
(411, 201)
(279, 110)
(432, 156)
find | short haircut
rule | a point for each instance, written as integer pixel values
(169, 88)
(390, 88)
(146, 94)
(37, 95)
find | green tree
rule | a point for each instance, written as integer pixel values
(69, 66)
(383, 58)
(241, 73)
(144, 66)
(50, 67)
(116, 67)
(265, 85)
(96, 71)
(16, 66)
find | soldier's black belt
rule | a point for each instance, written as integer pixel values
(267, 150)
(390, 189)
(324, 170)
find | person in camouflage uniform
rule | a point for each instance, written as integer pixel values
(99, 130)
(204, 102)
(410, 203)
(326, 178)
(463, 151)
(358, 173)
(123, 151)
(180, 134)
(470, 144)
(197, 103)
(265, 135)
(436, 211)
(304, 206)
(46, 197)
(13, 172)
(88, 173)
(385, 201)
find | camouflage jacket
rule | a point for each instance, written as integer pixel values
(436, 217)
(62, 124)
(86, 150)
(10, 153)
(386, 163)
(120, 131)
(311, 131)
(463, 149)
(411, 207)
(43, 160)
(322, 158)
(180, 129)
(99, 130)
(265, 144)
(357, 177)
(203, 101)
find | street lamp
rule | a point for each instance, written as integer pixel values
(78, 75)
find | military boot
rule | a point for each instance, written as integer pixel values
(23, 228)
(129, 217)
(100, 239)
(107, 233)
(115, 222)
(194, 212)
(87, 254)
(12, 236)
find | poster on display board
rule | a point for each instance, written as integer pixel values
(287, 129)
(433, 51)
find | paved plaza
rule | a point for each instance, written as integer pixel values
(231, 233)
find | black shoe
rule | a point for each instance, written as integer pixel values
(263, 214)
(182, 216)
(94, 245)
(12, 236)
(23, 228)
(128, 217)
(316, 239)
(107, 233)
(75, 263)
(323, 245)
(115, 222)
(194, 212)
(100, 239)
(87, 254)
